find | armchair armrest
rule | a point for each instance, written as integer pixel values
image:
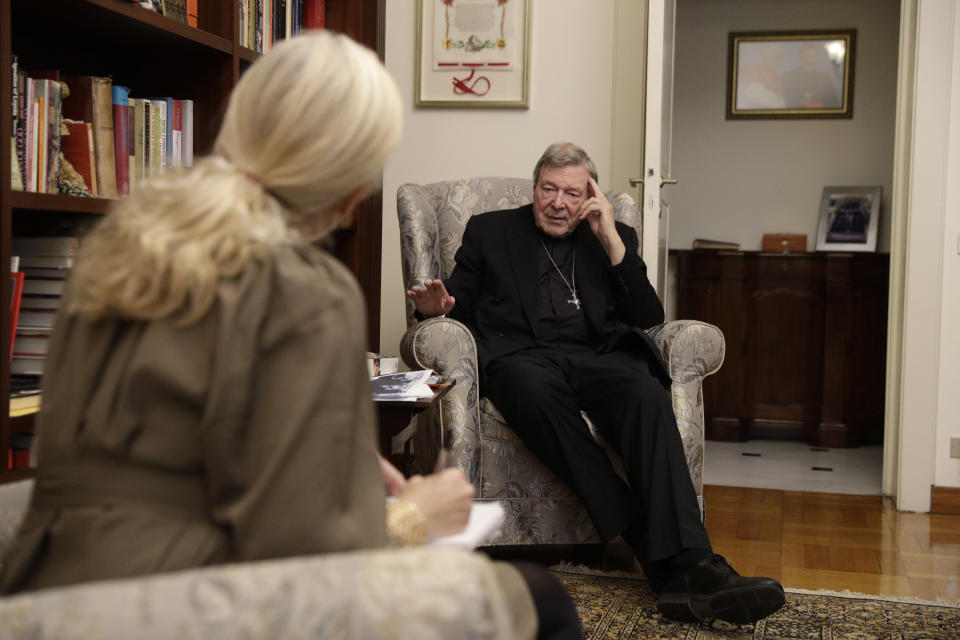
(447, 346)
(401, 593)
(691, 349)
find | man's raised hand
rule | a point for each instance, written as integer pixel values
(598, 212)
(432, 298)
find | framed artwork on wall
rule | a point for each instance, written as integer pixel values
(473, 53)
(849, 217)
(790, 74)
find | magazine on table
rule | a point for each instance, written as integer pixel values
(408, 385)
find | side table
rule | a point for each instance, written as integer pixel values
(396, 424)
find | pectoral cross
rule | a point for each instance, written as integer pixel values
(575, 301)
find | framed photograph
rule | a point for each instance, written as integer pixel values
(790, 74)
(848, 219)
(473, 53)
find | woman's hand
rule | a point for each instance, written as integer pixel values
(393, 480)
(444, 498)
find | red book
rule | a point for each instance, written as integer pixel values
(176, 122)
(192, 17)
(121, 144)
(16, 292)
(77, 148)
(315, 14)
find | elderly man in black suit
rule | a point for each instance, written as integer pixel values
(558, 299)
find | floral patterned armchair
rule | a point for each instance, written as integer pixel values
(540, 509)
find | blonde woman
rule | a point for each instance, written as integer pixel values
(206, 397)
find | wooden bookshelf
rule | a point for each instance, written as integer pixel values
(153, 55)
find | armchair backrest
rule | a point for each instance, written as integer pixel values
(433, 217)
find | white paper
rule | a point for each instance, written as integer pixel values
(486, 518)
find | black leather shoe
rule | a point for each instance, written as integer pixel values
(711, 589)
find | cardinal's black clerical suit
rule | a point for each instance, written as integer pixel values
(560, 334)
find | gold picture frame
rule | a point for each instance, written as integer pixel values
(473, 53)
(790, 74)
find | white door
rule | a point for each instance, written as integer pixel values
(657, 127)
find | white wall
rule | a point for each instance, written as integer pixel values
(742, 178)
(571, 72)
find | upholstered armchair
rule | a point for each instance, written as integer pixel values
(540, 509)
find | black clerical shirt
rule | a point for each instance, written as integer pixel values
(561, 322)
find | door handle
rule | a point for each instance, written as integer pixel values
(638, 181)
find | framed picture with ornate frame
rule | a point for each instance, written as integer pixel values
(790, 74)
(849, 217)
(473, 53)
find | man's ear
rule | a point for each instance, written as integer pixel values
(348, 204)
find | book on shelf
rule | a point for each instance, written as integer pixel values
(31, 344)
(38, 181)
(47, 261)
(35, 320)
(24, 404)
(315, 14)
(138, 172)
(187, 142)
(20, 453)
(27, 365)
(21, 385)
(91, 101)
(176, 9)
(120, 98)
(149, 138)
(43, 286)
(16, 293)
(32, 138)
(158, 136)
(175, 132)
(702, 243)
(38, 303)
(77, 148)
(193, 17)
(18, 132)
(50, 139)
(26, 246)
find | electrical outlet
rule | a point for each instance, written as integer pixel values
(955, 447)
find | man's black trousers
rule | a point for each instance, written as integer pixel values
(542, 391)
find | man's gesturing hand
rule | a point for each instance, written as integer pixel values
(432, 298)
(599, 215)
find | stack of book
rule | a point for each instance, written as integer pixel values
(45, 264)
(109, 140)
(263, 23)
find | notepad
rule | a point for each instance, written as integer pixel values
(486, 518)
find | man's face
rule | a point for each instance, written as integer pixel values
(557, 197)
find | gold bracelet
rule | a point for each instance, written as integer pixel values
(406, 523)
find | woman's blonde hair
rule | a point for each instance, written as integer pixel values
(307, 126)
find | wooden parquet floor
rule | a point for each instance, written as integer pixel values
(836, 542)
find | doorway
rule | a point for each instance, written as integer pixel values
(741, 179)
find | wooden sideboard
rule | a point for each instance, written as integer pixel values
(806, 342)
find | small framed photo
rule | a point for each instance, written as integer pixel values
(790, 74)
(473, 53)
(848, 219)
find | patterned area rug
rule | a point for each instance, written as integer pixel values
(614, 607)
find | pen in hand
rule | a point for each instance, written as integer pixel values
(441, 461)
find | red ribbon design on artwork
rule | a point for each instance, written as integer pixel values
(460, 86)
